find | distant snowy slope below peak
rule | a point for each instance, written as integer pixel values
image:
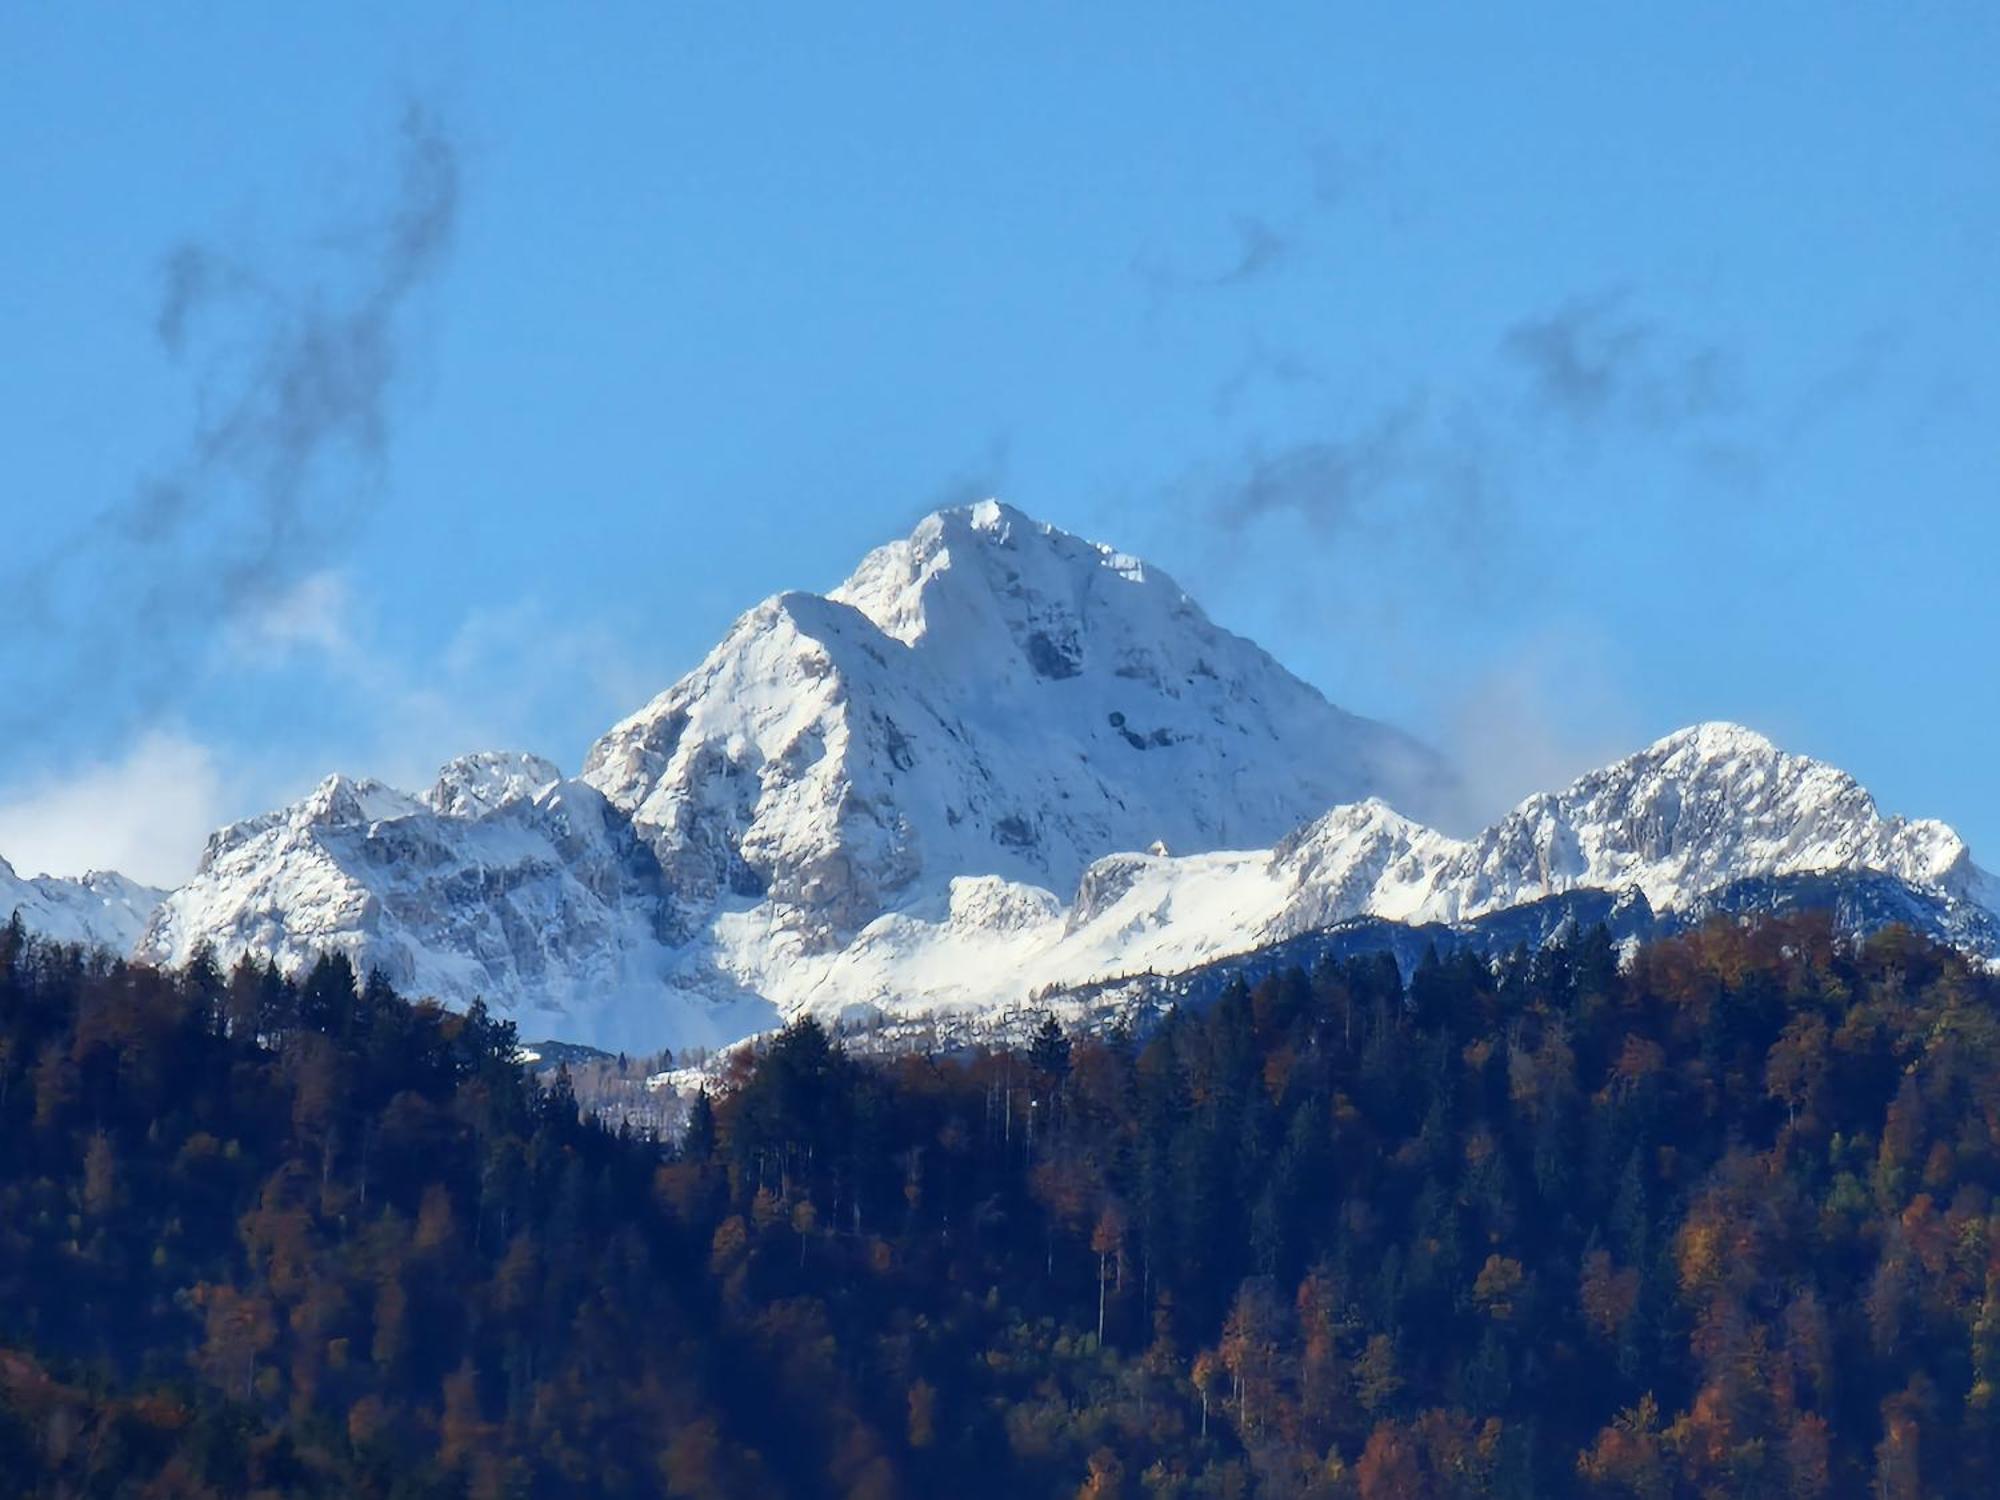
(102, 910)
(989, 696)
(1708, 810)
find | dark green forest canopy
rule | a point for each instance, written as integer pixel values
(1716, 1221)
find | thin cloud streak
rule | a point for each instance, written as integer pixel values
(296, 384)
(1592, 360)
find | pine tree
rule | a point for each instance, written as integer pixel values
(698, 1144)
(1048, 1053)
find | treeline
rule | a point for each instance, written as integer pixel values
(1717, 1221)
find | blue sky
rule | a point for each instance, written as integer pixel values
(1540, 378)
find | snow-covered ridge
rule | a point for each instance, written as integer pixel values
(536, 895)
(927, 793)
(101, 910)
(1707, 805)
(1699, 811)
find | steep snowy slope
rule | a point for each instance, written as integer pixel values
(103, 909)
(990, 696)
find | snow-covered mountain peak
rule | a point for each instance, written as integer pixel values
(1702, 806)
(1718, 778)
(1712, 739)
(1364, 856)
(338, 801)
(987, 696)
(476, 784)
(975, 574)
(469, 786)
(1371, 817)
(343, 801)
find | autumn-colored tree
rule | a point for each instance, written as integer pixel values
(805, 1219)
(728, 1243)
(1389, 1467)
(100, 1177)
(1498, 1287)
(1808, 1458)
(1249, 1351)
(1106, 1477)
(239, 1328)
(1898, 1472)
(1797, 1067)
(1628, 1457)
(1207, 1377)
(462, 1429)
(437, 1224)
(1377, 1381)
(1607, 1295)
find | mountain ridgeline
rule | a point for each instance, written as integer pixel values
(998, 762)
(1716, 1220)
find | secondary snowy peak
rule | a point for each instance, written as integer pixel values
(1702, 807)
(102, 910)
(490, 779)
(547, 905)
(1363, 858)
(467, 787)
(989, 696)
(337, 802)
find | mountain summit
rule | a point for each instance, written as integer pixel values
(997, 761)
(989, 696)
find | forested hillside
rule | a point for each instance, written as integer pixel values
(1718, 1222)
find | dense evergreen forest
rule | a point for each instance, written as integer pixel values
(1718, 1221)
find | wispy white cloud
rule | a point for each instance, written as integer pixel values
(512, 676)
(515, 675)
(146, 813)
(312, 615)
(297, 379)
(1555, 708)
